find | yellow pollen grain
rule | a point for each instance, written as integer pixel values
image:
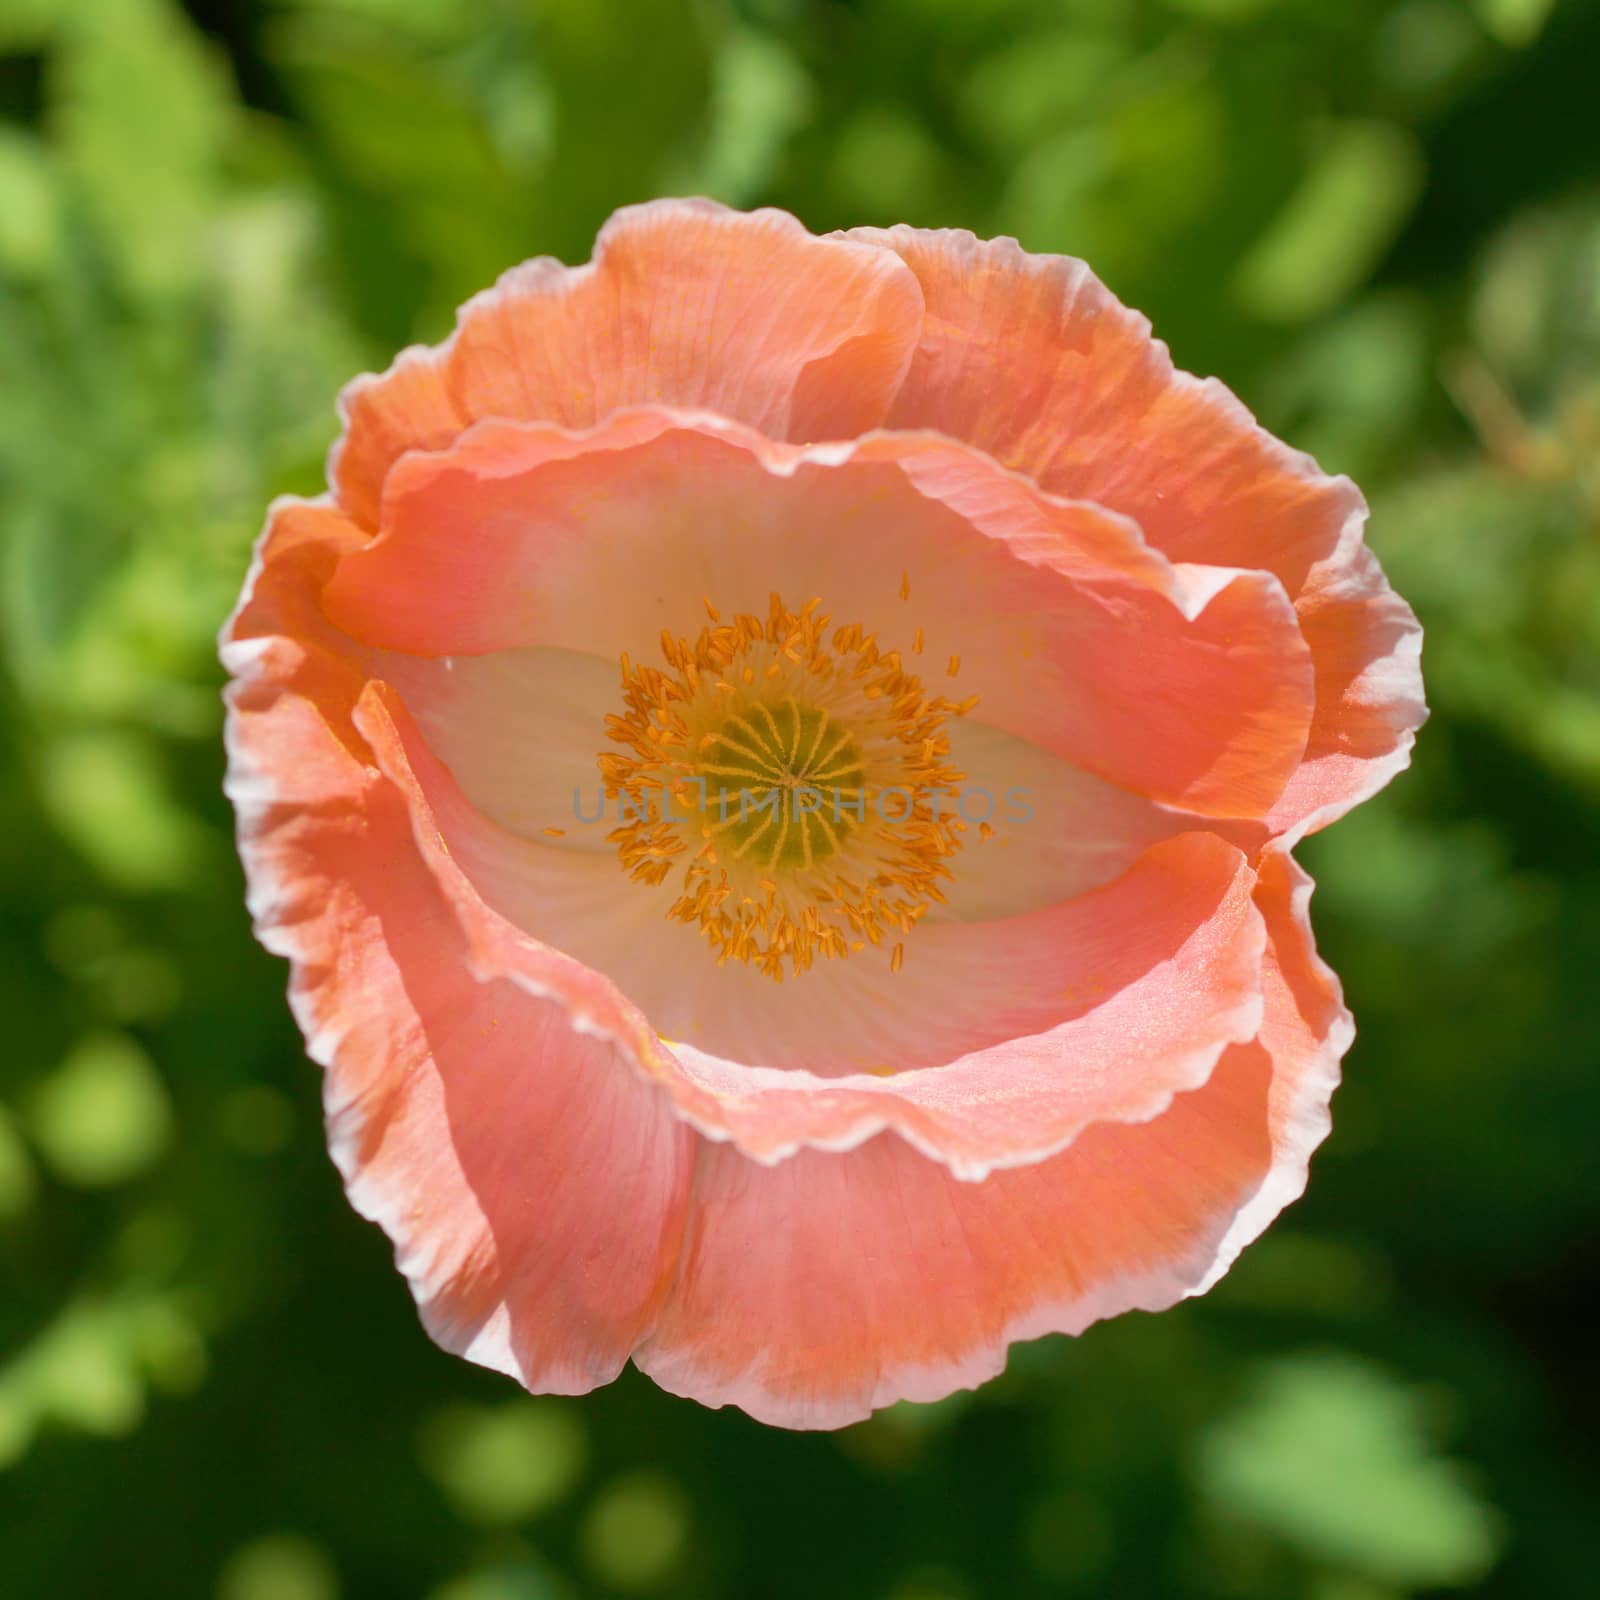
(954, 667)
(556, 833)
(905, 585)
(898, 958)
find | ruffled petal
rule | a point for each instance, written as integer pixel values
(890, 1280)
(999, 1043)
(1367, 646)
(1032, 359)
(685, 303)
(1306, 1029)
(533, 1186)
(1189, 685)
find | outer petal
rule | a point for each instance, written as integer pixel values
(533, 1186)
(685, 303)
(1192, 686)
(1305, 1030)
(1032, 359)
(1367, 647)
(890, 1280)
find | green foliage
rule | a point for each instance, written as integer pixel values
(140, 114)
(1356, 192)
(504, 1464)
(102, 1117)
(1330, 1456)
(1379, 221)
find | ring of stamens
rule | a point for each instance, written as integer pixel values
(799, 778)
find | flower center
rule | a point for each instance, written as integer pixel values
(784, 783)
(799, 778)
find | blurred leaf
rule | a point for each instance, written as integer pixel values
(1352, 391)
(52, 560)
(106, 792)
(1446, 890)
(511, 1580)
(1071, 1538)
(1222, 10)
(1354, 198)
(1514, 22)
(1330, 1454)
(280, 1566)
(81, 1372)
(18, 1184)
(1536, 310)
(29, 218)
(103, 1116)
(1117, 190)
(142, 110)
(636, 1531)
(395, 123)
(504, 1463)
(257, 1119)
(87, 1370)
(887, 167)
(1339, 1586)
(971, 17)
(431, 21)
(760, 96)
(26, 24)
(405, 132)
(1300, 1273)
(1040, 82)
(1422, 46)
(1514, 565)
(932, 1583)
(631, 82)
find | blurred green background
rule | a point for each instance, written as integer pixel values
(1379, 220)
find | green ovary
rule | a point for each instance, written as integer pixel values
(783, 784)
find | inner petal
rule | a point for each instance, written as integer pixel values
(519, 730)
(780, 778)
(522, 734)
(970, 985)
(1071, 632)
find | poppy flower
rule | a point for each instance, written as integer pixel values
(774, 767)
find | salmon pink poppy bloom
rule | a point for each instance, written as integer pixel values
(774, 766)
